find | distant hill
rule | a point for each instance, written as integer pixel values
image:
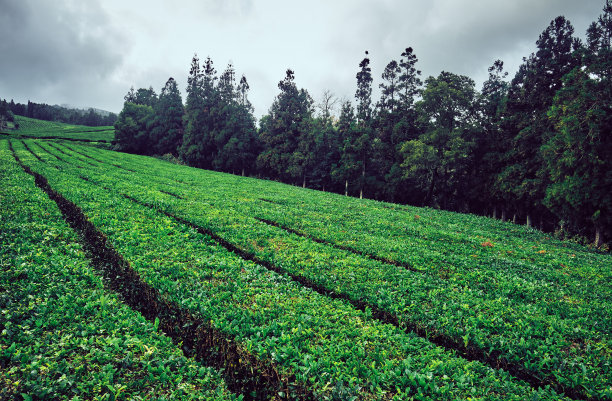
(103, 113)
(91, 117)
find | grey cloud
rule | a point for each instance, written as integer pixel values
(51, 44)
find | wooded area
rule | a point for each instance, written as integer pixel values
(534, 150)
(42, 111)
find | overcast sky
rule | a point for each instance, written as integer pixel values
(87, 53)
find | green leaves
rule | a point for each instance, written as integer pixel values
(62, 335)
(510, 299)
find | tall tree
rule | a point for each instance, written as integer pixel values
(409, 79)
(132, 128)
(361, 146)
(531, 95)
(390, 87)
(348, 168)
(282, 129)
(437, 160)
(198, 147)
(167, 131)
(490, 145)
(578, 156)
(236, 135)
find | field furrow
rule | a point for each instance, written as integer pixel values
(318, 342)
(530, 327)
(63, 335)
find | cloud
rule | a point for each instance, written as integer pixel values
(91, 52)
(48, 46)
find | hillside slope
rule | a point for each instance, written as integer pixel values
(30, 127)
(345, 296)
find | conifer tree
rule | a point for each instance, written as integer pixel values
(167, 131)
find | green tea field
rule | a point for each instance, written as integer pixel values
(128, 277)
(30, 127)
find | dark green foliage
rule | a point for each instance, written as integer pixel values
(220, 129)
(236, 138)
(167, 130)
(527, 125)
(132, 128)
(578, 155)
(490, 146)
(284, 132)
(509, 150)
(42, 111)
(439, 158)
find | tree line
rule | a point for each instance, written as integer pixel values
(536, 149)
(42, 111)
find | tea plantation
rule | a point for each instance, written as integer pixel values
(127, 277)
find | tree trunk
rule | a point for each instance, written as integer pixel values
(362, 180)
(243, 171)
(304, 182)
(503, 216)
(528, 222)
(598, 237)
(495, 212)
(514, 218)
(345, 187)
(431, 188)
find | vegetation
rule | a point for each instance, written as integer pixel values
(509, 150)
(129, 277)
(41, 111)
(64, 336)
(400, 279)
(29, 127)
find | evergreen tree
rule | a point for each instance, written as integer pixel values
(578, 157)
(361, 145)
(132, 128)
(167, 131)
(191, 150)
(390, 87)
(281, 131)
(527, 124)
(490, 146)
(236, 135)
(146, 97)
(348, 168)
(409, 79)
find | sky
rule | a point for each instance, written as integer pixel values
(88, 53)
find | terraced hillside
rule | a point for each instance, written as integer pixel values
(299, 294)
